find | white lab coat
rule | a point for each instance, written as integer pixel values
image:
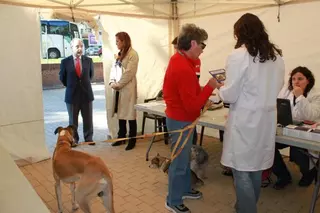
(306, 108)
(251, 88)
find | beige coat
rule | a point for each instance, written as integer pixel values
(127, 87)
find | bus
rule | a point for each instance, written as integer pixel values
(56, 36)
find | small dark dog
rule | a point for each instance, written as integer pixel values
(199, 161)
(163, 164)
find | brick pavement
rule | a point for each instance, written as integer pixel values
(138, 188)
(55, 114)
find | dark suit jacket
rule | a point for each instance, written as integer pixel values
(78, 90)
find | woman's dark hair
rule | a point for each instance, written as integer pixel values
(125, 38)
(309, 76)
(251, 32)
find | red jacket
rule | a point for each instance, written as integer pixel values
(197, 63)
(181, 89)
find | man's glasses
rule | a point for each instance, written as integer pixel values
(203, 45)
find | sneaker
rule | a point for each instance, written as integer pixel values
(177, 209)
(194, 194)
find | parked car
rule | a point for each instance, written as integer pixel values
(91, 51)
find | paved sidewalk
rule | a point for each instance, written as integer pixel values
(55, 114)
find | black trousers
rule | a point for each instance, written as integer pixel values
(86, 113)
(122, 133)
(297, 155)
(116, 102)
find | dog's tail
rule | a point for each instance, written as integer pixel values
(107, 199)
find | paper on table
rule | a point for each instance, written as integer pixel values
(153, 104)
(214, 98)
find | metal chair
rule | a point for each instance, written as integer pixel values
(159, 123)
(156, 118)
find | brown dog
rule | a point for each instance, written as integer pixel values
(94, 178)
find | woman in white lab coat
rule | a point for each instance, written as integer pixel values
(305, 105)
(254, 78)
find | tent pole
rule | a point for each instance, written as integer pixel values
(173, 25)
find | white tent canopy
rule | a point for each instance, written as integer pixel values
(153, 8)
(152, 24)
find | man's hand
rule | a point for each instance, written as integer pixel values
(214, 83)
(220, 85)
(209, 104)
(297, 91)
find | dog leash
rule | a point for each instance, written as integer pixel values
(190, 127)
(174, 153)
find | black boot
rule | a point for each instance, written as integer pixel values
(282, 183)
(280, 169)
(132, 134)
(121, 133)
(300, 157)
(131, 144)
(118, 143)
(308, 177)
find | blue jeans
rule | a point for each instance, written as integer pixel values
(247, 185)
(179, 170)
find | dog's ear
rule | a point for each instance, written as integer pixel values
(57, 130)
(71, 128)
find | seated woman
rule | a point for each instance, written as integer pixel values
(305, 105)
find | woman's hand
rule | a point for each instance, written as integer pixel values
(114, 86)
(297, 91)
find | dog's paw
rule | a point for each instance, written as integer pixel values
(75, 207)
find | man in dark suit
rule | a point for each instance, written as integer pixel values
(76, 72)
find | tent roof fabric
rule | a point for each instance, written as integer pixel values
(161, 9)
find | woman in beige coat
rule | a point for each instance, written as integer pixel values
(126, 89)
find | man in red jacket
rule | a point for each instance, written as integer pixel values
(184, 99)
(197, 63)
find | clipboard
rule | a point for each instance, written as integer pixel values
(219, 74)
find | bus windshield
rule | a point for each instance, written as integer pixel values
(56, 37)
(74, 30)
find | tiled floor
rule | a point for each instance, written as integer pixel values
(138, 188)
